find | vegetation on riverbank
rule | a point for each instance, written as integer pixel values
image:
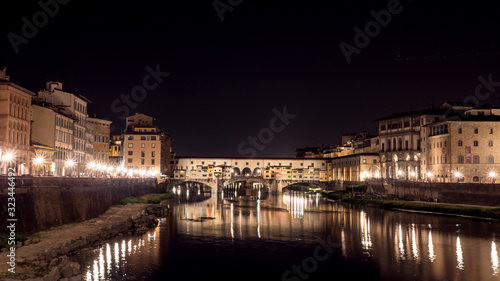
(440, 208)
(147, 199)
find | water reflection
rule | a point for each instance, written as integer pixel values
(432, 255)
(494, 258)
(395, 245)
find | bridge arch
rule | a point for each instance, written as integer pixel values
(257, 172)
(236, 171)
(246, 172)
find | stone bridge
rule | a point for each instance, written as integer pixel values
(272, 185)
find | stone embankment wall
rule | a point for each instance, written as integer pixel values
(55, 261)
(44, 202)
(458, 193)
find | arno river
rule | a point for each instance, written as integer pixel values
(297, 236)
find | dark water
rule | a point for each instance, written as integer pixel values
(297, 237)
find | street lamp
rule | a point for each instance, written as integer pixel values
(69, 163)
(458, 175)
(429, 176)
(38, 161)
(493, 176)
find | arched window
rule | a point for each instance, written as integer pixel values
(475, 159)
(475, 179)
(460, 143)
(491, 160)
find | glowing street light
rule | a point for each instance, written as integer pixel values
(8, 157)
(458, 175)
(493, 175)
(69, 163)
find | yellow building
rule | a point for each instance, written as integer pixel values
(463, 149)
(116, 150)
(15, 111)
(101, 139)
(356, 167)
(141, 151)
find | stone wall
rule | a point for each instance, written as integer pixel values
(44, 202)
(461, 193)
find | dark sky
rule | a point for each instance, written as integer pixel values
(226, 77)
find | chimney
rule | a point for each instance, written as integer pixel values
(53, 85)
(3, 74)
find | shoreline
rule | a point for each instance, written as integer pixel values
(46, 257)
(491, 213)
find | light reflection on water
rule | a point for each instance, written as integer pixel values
(398, 245)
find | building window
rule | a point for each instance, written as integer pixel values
(153, 145)
(143, 154)
(490, 143)
(460, 159)
(130, 137)
(152, 154)
(364, 161)
(476, 143)
(142, 161)
(143, 145)
(475, 159)
(143, 137)
(460, 143)
(152, 161)
(130, 152)
(459, 130)
(476, 131)
(130, 145)
(129, 160)
(491, 160)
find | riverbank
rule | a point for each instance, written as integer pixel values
(44, 255)
(473, 211)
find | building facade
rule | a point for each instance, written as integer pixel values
(15, 111)
(116, 151)
(75, 106)
(101, 147)
(142, 146)
(400, 142)
(53, 129)
(463, 149)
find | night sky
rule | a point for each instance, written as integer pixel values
(225, 77)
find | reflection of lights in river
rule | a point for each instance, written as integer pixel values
(102, 268)
(494, 258)
(460, 255)
(400, 244)
(101, 264)
(258, 216)
(232, 225)
(366, 240)
(432, 255)
(108, 257)
(414, 242)
(117, 255)
(295, 203)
